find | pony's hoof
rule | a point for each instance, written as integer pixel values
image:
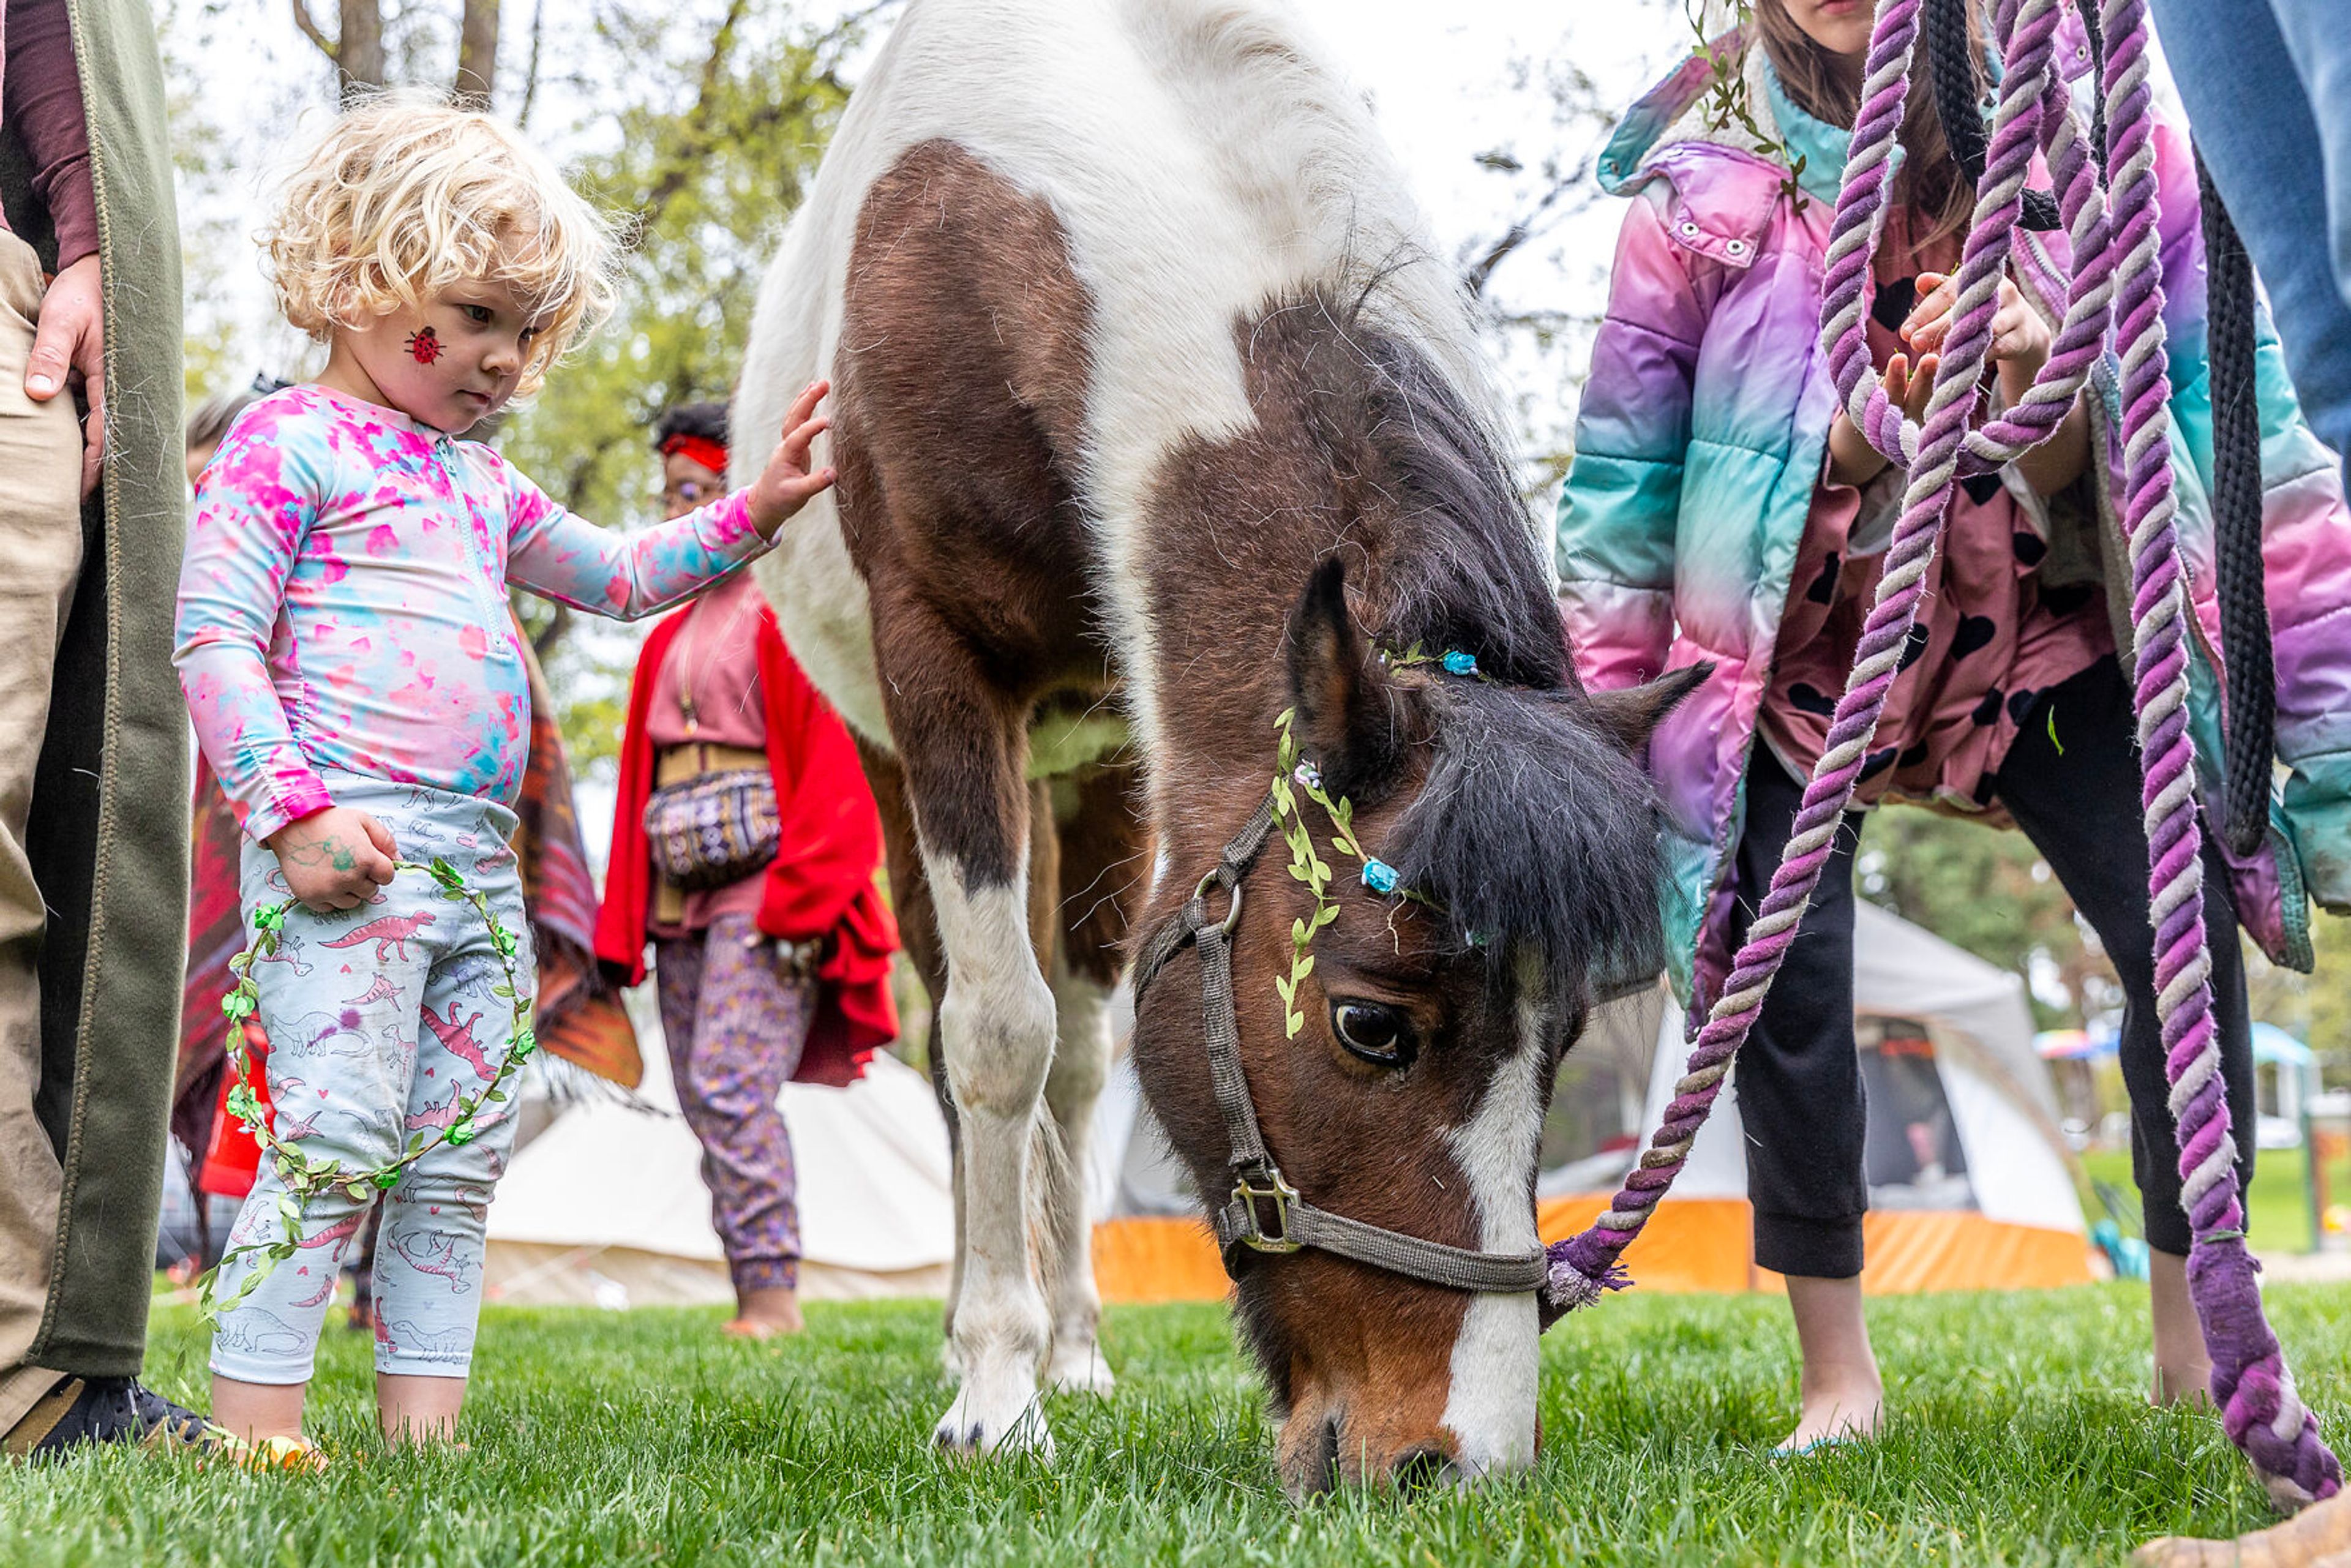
(1081, 1370)
(969, 1432)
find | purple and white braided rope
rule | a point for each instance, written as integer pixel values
(2251, 1382)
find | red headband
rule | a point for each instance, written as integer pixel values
(711, 454)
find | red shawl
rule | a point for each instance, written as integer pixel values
(821, 879)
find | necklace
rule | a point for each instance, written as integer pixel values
(689, 674)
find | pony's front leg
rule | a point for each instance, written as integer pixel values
(996, 1025)
(961, 751)
(1105, 864)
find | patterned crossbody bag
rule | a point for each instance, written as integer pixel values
(713, 829)
(719, 826)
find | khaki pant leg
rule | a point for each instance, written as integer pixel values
(40, 555)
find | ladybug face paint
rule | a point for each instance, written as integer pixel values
(423, 346)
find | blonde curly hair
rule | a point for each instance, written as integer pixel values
(405, 196)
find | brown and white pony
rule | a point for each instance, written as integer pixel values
(1149, 402)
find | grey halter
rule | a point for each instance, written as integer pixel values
(1265, 1213)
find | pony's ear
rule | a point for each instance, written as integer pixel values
(1342, 720)
(1628, 715)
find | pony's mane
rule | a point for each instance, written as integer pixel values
(1534, 834)
(1455, 558)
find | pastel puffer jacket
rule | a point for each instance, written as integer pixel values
(1701, 436)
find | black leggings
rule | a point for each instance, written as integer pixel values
(1799, 1078)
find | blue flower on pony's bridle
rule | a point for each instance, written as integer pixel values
(1453, 661)
(1380, 877)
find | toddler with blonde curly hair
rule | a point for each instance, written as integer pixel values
(348, 658)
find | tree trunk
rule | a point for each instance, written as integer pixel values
(359, 48)
(478, 52)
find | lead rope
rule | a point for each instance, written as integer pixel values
(2251, 737)
(2250, 1381)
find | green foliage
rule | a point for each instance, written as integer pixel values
(703, 179)
(2020, 1435)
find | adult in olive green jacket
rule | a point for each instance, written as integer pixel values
(93, 784)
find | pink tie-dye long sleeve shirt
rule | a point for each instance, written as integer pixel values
(343, 602)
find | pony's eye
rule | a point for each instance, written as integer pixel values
(1380, 1035)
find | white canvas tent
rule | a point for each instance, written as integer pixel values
(607, 1206)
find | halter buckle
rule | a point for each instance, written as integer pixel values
(1232, 912)
(1248, 1194)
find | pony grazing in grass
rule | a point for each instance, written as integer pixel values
(1178, 589)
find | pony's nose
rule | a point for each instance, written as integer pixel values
(1424, 1470)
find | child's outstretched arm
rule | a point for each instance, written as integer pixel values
(627, 576)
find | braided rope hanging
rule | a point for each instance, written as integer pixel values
(2249, 740)
(2115, 271)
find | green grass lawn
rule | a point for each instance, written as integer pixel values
(2277, 1205)
(2019, 1435)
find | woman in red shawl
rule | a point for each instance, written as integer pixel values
(782, 973)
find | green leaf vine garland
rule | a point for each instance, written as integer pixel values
(1726, 93)
(1294, 777)
(303, 1175)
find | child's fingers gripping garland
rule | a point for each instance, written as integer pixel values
(302, 1175)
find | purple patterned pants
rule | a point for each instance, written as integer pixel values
(736, 1020)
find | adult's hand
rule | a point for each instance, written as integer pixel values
(71, 342)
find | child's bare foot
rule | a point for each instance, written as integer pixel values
(2183, 1373)
(1841, 1390)
(765, 1312)
(1833, 1414)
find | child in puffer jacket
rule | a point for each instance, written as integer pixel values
(1721, 508)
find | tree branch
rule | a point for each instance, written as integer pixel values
(312, 31)
(1524, 227)
(698, 135)
(530, 72)
(359, 47)
(694, 137)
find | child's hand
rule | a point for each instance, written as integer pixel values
(2019, 336)
(784, 487)
(335, 859)
(1852, 460)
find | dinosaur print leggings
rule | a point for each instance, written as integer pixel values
(380, 1020)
